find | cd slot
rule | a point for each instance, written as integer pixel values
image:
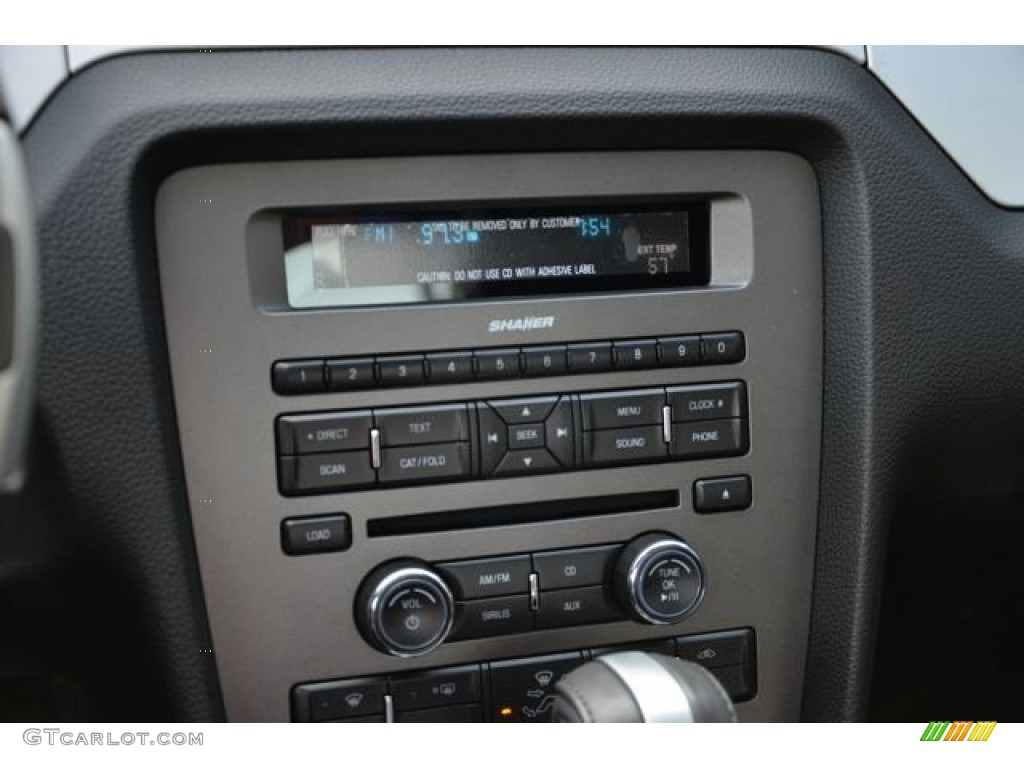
(520, 514)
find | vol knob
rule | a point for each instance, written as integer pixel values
(659, 579)
(404, 608)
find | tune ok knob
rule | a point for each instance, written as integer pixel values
(404, 608)
(659, 579)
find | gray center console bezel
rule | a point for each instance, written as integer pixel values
(279, 620)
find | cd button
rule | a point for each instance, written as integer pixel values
(608, 410)
(323, 432)
(348, 374)
(590, 358)
(693, 439)
(575, 567)
(401, 371)
(526, 436)
(497, 363)
(525, 410)
(708, 401)
(432, 424)
(680, 350)
(624, 446)
(533, 461)
(636, 354)
(450, 367)
(545, 361)
(424, 463)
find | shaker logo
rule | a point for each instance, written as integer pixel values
(528, 323)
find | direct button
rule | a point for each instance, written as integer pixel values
(424, 463)
(322, 472)
(708, 401)
(575, 567)
(610, 410)
(309, 535)
(323, 432)
(413, 426)
(489, 577)
(623, 446)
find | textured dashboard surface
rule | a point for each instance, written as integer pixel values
(923, 363)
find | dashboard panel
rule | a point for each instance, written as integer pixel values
(172, 554)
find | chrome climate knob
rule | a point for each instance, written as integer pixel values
(404, 608)
(659, 579)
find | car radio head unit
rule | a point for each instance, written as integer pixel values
(360, 258)
(452, 425)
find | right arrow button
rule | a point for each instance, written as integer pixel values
(558, 433)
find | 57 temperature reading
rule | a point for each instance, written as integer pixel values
(658, 265)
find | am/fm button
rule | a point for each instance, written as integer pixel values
(471, 579)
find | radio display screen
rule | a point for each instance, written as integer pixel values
(349, 259)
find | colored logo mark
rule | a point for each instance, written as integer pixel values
(944, 730)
